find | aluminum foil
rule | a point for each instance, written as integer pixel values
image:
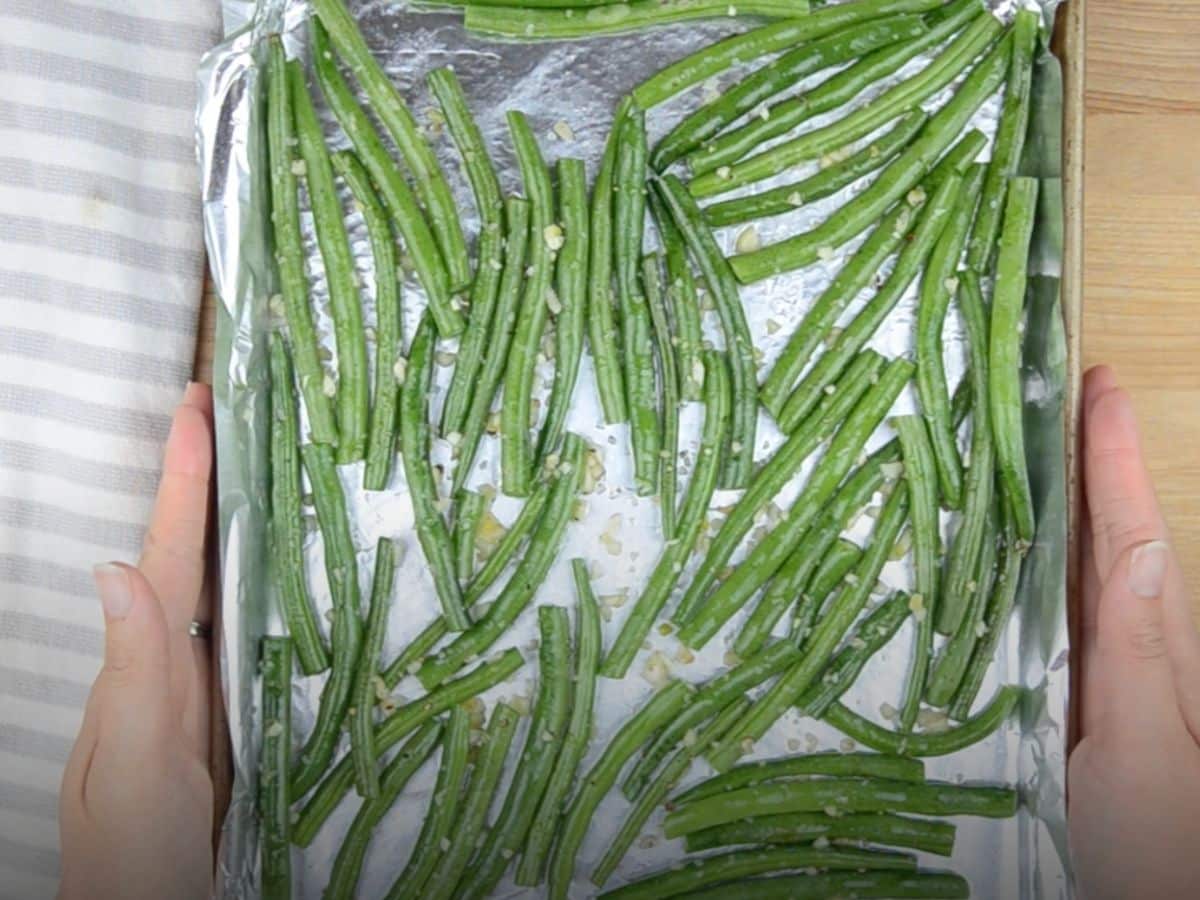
(575, 85)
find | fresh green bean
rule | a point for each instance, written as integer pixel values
(516, 456)
(527, 578)
(779, 74)
(663, 706)
(443, 809)
(543, 742)
(821, 644)
(389, 339)
(858, 765)
(901, 98)
(289, 250)
(603, 336)
(504, 322)
(615, 18)
(862, 886)
(469, 508)
(414, 443)
(854, 336)
(362, 702)
(397, 195)
(286, 527)
(870, 637)
(683, 303)
(698, 874)
(833, 93)
(506, 548)
(275, 847)
(470, 825)
(668, 365)
(341, 569)
(490, 204)
(691, 521)
(965, 550)
(770, 554)
(571, 272)
(760, 42)
(396, 117)
(347, 865)
(1008, 144)
(400, 723)
(934, 743)
(656, 792)
(588, 646)
(723, 289)
(887, 829)
(410, 657)
(1004, 351)
(823, 183)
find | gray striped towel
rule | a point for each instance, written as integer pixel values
(100, 277)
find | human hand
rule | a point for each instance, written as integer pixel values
(136, 806)
(1134, 778)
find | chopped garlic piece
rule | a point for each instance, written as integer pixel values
(563, 131)
(748, 240)
(553, 235)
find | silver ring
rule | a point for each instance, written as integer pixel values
(199, 630)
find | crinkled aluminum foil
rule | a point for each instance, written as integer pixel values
(576, 84)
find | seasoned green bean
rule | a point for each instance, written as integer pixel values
(409, 658)
(668, 366)
(275, 846)
(469, 508)
(683, 303)
(362, 702)
(886, 829)
(862, 886)
(506, 548)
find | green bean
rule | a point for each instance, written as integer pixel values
(275, 847)
(469, 508)
(1004, 351)
(964, 552)
(691, 521)
(286, 527)
(821, 644)
(289, 250)
(751, 45)
(400, 723)
(396, 117)
(768, 555)
(892, 885)
(779, 74)
(347, 866)
(723, 289)
(682, 302)
(860, 765)
(406, 662)
(863, 326)
(846, 795)
(571, 273)
(495, 360)
(507, 547)
(1008, 143)
(490, 204)
(603, 335)
(668, 364)
(870, 637)
(937, 285)
(929, 835)
(823, 183)
(663, 706)
(615, 18)
(341, 569)
(840, 560)
(698, 874)
(656, 792)
(935, 743)
(588, 646)
(362, 697)
(470, 825)
(543, 742)
(414, 443)
(397, 195)
(901, 98)
(713, 696)
(515, 452)
(443, 809)
(528, 577)
(832, 93)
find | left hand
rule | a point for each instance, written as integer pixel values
(137, 799)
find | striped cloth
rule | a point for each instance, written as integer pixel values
(100, 276)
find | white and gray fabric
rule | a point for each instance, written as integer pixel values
(100, 278)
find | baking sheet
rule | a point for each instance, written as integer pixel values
(577, 83)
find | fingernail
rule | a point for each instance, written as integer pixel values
(1148, 569)
(112, 582)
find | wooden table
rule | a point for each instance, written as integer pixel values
(1141, 309)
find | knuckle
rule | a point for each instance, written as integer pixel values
(1145, 641)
